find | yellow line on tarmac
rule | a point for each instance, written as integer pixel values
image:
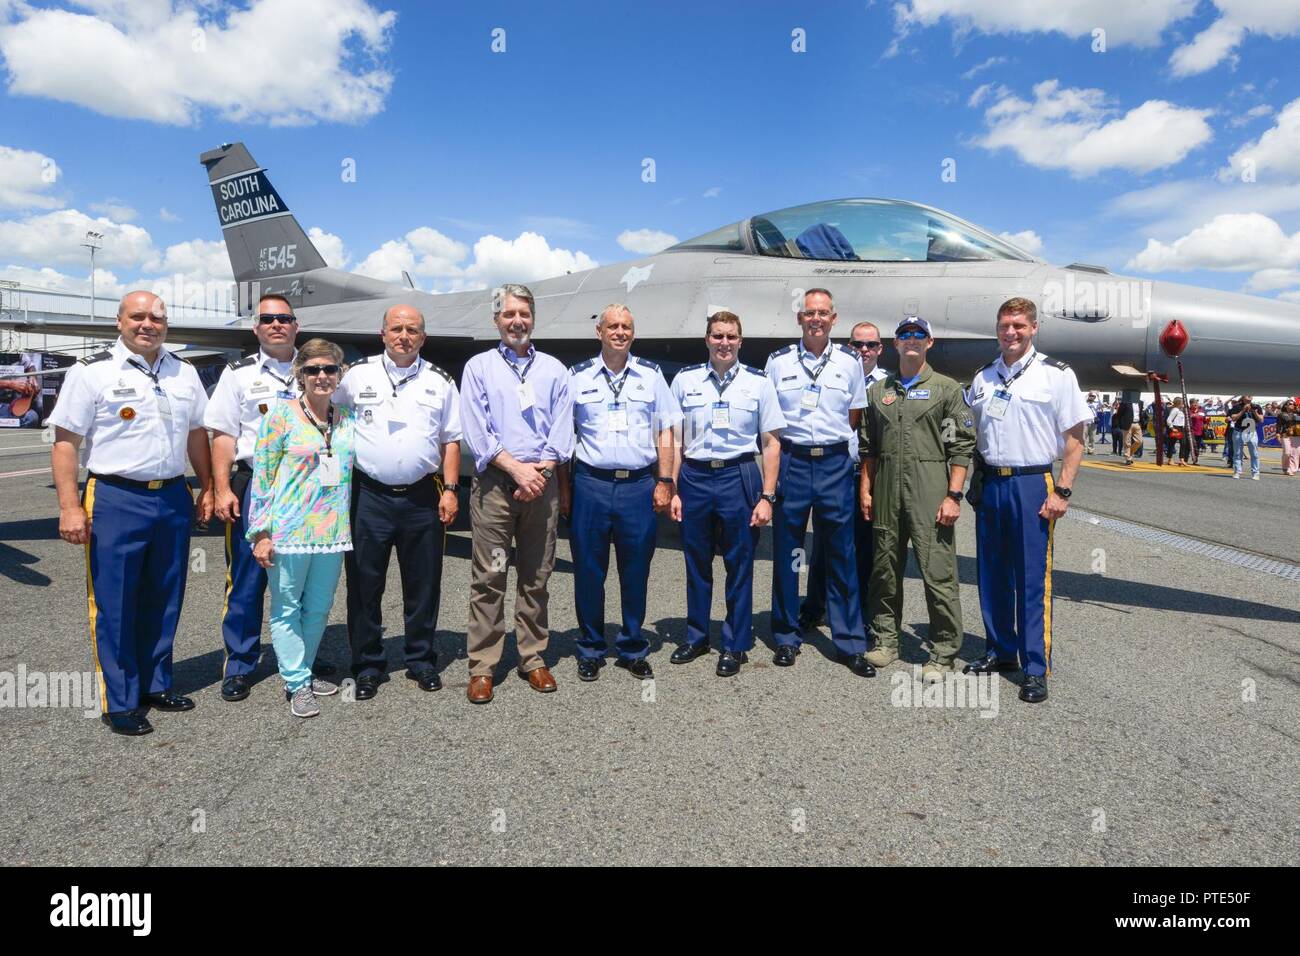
(1141, 466)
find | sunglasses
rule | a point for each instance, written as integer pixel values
(911, 334)
(866, 346)
(314, 370)
(267, 318)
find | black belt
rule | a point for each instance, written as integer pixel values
(716, 463)
(1007, 470)
(613, 474)
(815, 451)
(136, 483)
(378, 485)
(244, 466)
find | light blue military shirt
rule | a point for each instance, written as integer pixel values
(618, 418)
(723, 418)
(817, 392)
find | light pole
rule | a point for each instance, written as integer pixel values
(92, 243)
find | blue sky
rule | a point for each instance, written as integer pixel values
(1116, 148)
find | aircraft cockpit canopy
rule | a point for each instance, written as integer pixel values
(858, 230)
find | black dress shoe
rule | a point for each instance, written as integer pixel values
(367, 686)
(234, 688)
(167, 700)
(322, 667)
(426, 678)
(811, 619)
(729, 663)
(589, 668)
(857, 663)
(639, 667)
(785, 655)
(1034, 690)
(688, 652)
(128, 723)
(990, 663)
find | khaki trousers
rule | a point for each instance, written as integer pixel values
(498, 520)
(1133, 441)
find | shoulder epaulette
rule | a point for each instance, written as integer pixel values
(983, 367)
(441, 371)
(783, 350)
(97, 357)
(1056, 363)
(691, 368)
(750, 368)
(244, 362)
(362, 361)
(647, 363)
(847, 351)
(583, 365)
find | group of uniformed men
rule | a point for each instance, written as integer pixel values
(876, 459)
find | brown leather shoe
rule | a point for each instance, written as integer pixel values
(540, 679)
(480, 690)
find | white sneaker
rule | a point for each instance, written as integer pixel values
(1235, 476)
(304, 703)
(1254, 477)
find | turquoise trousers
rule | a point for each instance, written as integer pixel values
(302, 593)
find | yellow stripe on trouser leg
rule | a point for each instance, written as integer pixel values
(1047, 585)
(225, 604)
(88, 506)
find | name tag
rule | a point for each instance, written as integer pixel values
(164, 406)
(721, 415)
(810, 397)
(616, 420)
(526, 397)
(921, 393)
(329, 471)
(997, 406)
(258, 389)
(125, 392)
(368, 396)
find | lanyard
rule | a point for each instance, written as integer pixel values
(267, 370)
(726, 379)
(518, 374)
(1006, 382)
(327, 435)
(609, 380)
(153, 376)
(411, 377)
(821, 366)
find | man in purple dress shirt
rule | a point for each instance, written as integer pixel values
(517, 418)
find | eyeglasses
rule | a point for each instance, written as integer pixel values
(911, 334)
(314, 370)
(816, 313)
(866, 346)
(266, 318)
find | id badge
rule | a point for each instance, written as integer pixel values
(616, 420)
(329, 471)
(721, 415)
(997, 406)
(526, 397)
(811, 395)
(164, 406)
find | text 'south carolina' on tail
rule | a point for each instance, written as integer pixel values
(268, 249)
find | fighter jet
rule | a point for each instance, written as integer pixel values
(882, 259)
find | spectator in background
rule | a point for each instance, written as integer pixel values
(1090, 426)
(1176, 433)
(1198, 417)
(1288, 433)
(1116, 432)
(1243, 417)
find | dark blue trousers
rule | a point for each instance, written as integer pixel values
(136, 562)
(241, 615)
(1013, 548)
(864, 543)
(382, 522)
(621, 512)
(824, 487)
(717, 505)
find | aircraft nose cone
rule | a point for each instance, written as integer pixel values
(1239, 343)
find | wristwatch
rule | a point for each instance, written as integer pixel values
(769, 498)
(662, 480)
(548, 473)
(1064, 493)
(454, 488)
(955, 496)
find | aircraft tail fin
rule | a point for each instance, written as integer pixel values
(263, 238)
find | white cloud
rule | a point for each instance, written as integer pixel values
(166, 215)
(1254, 113)
(26, 178)
(423, 252)
(1268, 280)
(329, 246)
(645, 242)
(1125, 22)
(1217, 42)
(1028, 240)
(106, 283)
(281, 62)
(1291, 296)
(198, 260)
(988, 64)
(1275, 154)
(115, 209)
(55, 238)
(525, 259)
(1074, 129)
(1232, 242)
(713, 192)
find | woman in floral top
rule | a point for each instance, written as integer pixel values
(298, 515)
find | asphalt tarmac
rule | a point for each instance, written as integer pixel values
(1169, 737)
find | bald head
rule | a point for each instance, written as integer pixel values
(142, 322)
(403, 334)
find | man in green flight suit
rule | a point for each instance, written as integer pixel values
(915, 440)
